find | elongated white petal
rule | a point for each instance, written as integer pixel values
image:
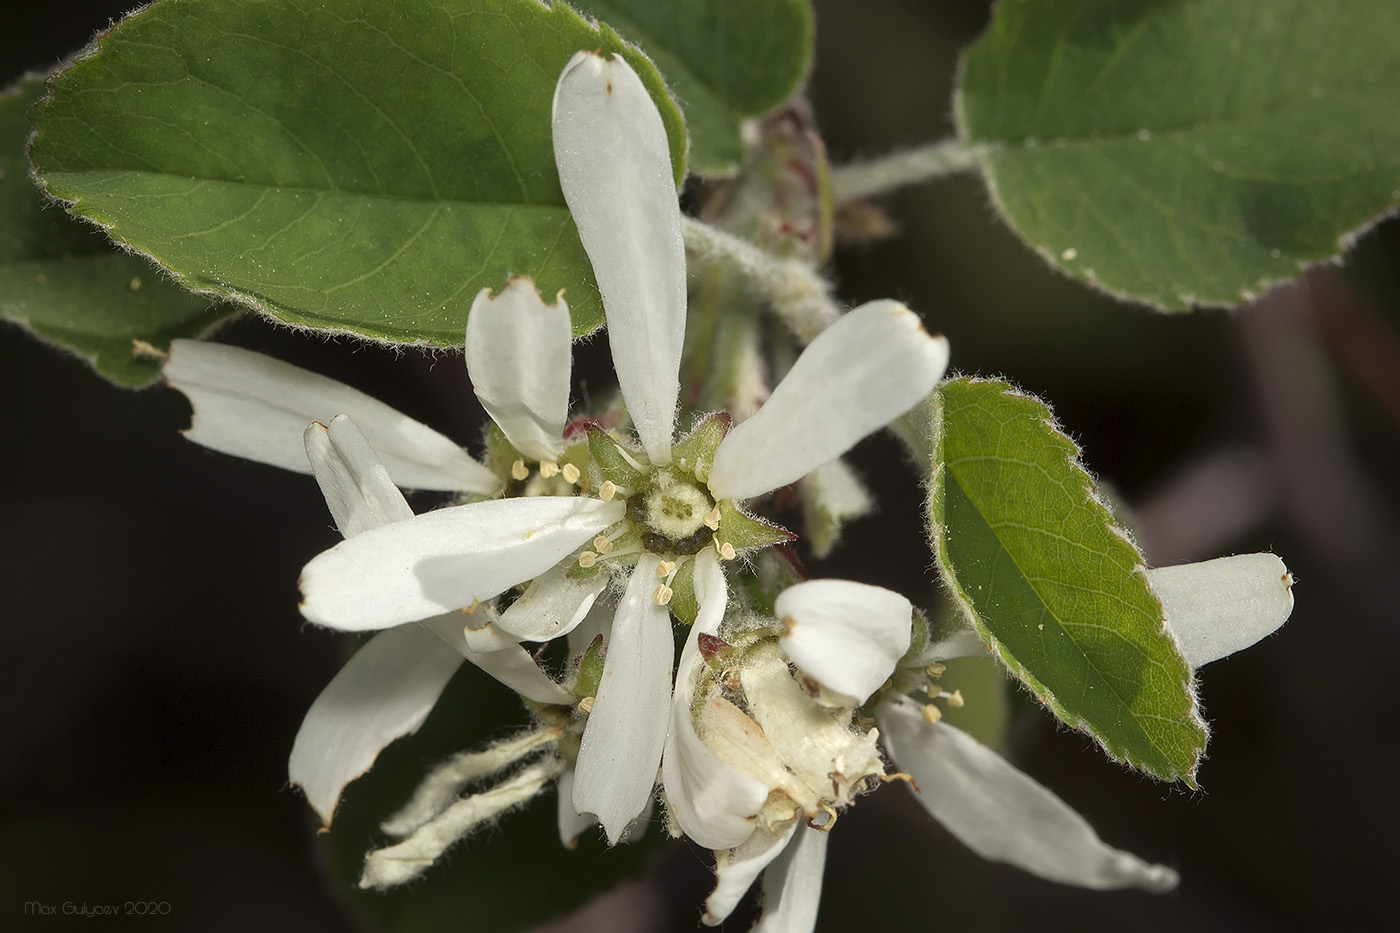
(712, 803)
(572, 824)
(497, 654)
(253, 406)
(792, 885)
(861, 373)
(621, 746)
(445, 560)
(383, 692)
(849, 636)
(518, 360)
(552, 605)
(1220, 606)
(357, 488)
(614, 166)
(1000, 813)
(737, 868)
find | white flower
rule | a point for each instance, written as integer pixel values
(256, 407)
(726, 790)
(874, 364)
(389, 686)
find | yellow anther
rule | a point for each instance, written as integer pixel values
(665, 568)
(935, 669)
(585, 706)
(518, 470)
(726, 550)
(549, 469)
(587, 559)
(932, 713)
(570, 473)
(956, 700)
(602, 545)
(711, 519)
(661, 595)
(607, 490)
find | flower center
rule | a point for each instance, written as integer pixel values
(673, 516)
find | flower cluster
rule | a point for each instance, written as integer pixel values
(601, 528)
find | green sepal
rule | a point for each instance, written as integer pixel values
(612, 464)
(501, 454)
(747, 532)
(1053, 586)
(590, 669)
(695, 453)
(684, 605)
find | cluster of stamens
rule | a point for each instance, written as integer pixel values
(935, 691)
(549, 469)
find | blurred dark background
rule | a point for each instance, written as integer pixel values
(155, 668)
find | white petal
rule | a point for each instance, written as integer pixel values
(383, 692)
(253, 406)
(552, 605)
(614, 166)
(497, 654)
(621, 746)
(832, 495)
(738, 867)
(357, 488)
(445, 560)
(1220, 606)
(572, 824)
(861, 373)
(792, 885)
(1000, 813)
(518, 360)
(712, 803)
(849, 636)
(960, 643)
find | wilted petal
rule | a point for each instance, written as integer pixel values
(738, 867)
(383, 692)
(1000, 813)
(712, 803)
(518, 360)
(445, 560)
(861, 373)
(622, 742)
(614, 166)
(1220, 606)
(253, 406)
(792, 885)
(357, 488)
(552, 605)
(849, 636)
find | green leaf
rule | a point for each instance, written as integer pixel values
(64, 282)
(1051, 584)
(337, 164)
(724, 59)
(1186, 153)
